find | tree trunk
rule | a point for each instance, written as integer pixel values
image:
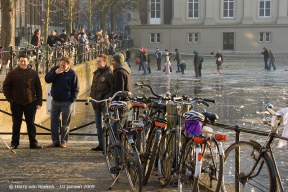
(70, 15)
(89, 15)
(8, 24)
(47, 18)
(113, 17)
(103, 20)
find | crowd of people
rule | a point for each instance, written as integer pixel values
(144, 61)
(107, 41)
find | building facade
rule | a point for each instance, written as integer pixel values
(237, 26)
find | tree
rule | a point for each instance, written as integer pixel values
(119, 5)
(8, 22)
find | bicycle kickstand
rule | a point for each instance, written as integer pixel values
(116, 179)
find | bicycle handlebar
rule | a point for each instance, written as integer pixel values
(125, 94)
(149, 86)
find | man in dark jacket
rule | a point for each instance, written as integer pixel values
(22, 88)
(196, 63)
(64, 37)
(178, 59)
(122, 81)
(266, 57)
(101, 89)
(65, 89)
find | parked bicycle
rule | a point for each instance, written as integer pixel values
(118, 145)
(195, 160)
(251, 166)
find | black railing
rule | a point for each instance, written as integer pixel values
(43, 57)
(49, 130)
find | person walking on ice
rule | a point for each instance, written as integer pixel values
(219, 61)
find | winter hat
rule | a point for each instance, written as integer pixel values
(195, 52)
(119, 58)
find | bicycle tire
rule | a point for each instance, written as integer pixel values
(265, 179)
(109, 152)
(130, 159)
(212, 167)
(166, 157)
(187, 181)
(145, 158)
(154, 156)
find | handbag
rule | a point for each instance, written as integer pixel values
(137, 61)
(219, 59)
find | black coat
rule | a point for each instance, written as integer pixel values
(122, 79)
(101, 87)
(34, 40)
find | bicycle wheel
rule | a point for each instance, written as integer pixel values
(153, 158)
(212, 166)
(263, 177)
(109, 152)
(131, 161)
(145, 158)
(166, 158)
(187, 169)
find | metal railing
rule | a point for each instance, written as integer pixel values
(71, 131)
(43, 57)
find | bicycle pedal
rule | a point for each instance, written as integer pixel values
(115, 170)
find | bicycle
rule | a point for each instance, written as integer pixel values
(199, 161)
(250, 166)
(157, 125)
(118, 147)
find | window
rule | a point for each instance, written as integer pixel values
(228, 8)
(264, 37)
(155, 11)
(155, 8)
(193, 38)
(155, 37)
(193, 8)
(264, 8)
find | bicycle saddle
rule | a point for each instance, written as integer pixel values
(210, 116)
(117, 105)
(158, 105)
(138, 104)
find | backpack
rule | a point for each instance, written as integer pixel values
(201, 59)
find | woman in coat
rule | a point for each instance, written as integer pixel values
(219, 61)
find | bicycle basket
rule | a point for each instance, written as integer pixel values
(192, 127)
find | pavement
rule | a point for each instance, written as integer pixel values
(77, 168)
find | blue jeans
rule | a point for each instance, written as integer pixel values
(140, 65)
(58, 107)
(99, 115)
(144, 67)
(271, 63)
(178, 65)
(266, 63)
